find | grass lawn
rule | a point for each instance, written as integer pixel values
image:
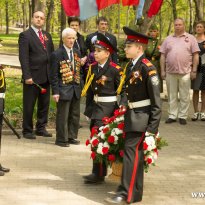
(13, 100)
(10, 43)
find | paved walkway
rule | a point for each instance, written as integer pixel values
(10, 60)
(45, 174)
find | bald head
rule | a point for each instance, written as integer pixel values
(179, 26)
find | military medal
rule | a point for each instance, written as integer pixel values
(135, 75)
(102, 80)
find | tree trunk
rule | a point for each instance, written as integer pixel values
(160, 26)
(190, 17)
(174, 8)
(118, 32)
(84, 26)
(170, 26)
(38, 5)
(147, 21)
(49, 15)
(199, 4)
(24, 15)
(127, 16)
(63, 23)
(30, 12)
(7, 17)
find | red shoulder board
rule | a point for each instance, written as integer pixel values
(115, 65)
(147, 62)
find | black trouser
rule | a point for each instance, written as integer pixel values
(99, 169)
(133, 168)
(31, 94)
(67, 119)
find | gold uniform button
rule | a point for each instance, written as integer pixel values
(126, 86)
(96, 88)
(126, 93)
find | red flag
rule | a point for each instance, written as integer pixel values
(71, 7)
(130, 2)
(105, 3)
(154, 8)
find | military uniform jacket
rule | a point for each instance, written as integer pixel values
(105, 83)
(141, 84)
(152, 52)
(63, 85)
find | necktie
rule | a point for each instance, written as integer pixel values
(131, 66)
(71, 60)
(41, 38)
(99, 68)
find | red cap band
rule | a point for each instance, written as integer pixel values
(138, 39)
(110, 49)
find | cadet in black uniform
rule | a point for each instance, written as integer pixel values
(101, 99)
(142, 116)
(2, 95)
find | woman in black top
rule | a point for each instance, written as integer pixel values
(199, 83)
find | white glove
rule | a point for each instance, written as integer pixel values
(87, 118)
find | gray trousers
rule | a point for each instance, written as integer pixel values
(67, 119)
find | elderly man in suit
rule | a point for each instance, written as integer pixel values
(35, 48)
(66, 82)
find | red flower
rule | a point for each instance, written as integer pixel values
(145, 146)
(112, 119)
(121, 153)
(105, 150)
(111, 157)
(156, 151)
(94, 131)
(122, 111)
(87, 142)
(116, 113)
(43, 90)
(95, 142)
(105, 130)
(149, 160)
(106, 120)
(123, 135)
(111, 139)
(121, 126)
(93, 155)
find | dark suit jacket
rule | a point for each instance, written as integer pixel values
(33, 57)
(145, 86)
(111, 37)
(80, 45)
(66, 91)
(101, 109)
